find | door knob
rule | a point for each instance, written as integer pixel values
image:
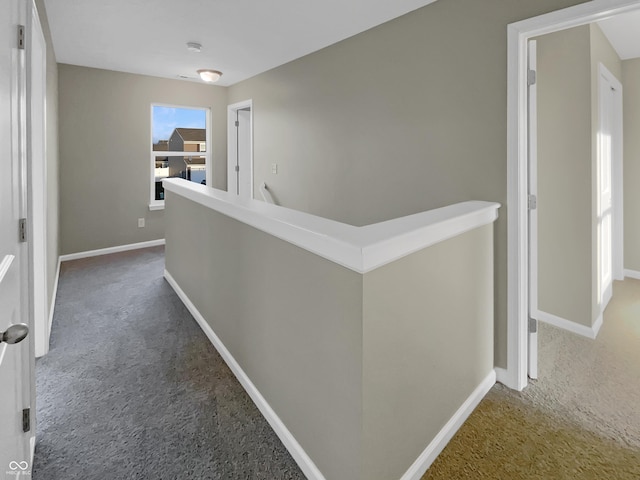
(15, 333)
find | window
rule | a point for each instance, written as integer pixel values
(178, 147)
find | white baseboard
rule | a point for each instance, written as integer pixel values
(417, 469)
(597, 324)
(295, 449)
(503, 377)
(106, 251)
(589, 332)
(631, 274)
(426, 458)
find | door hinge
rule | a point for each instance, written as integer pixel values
(237, 123)
(237, 168)
(20, 37)
(22, 230)
(533, 202)
(533, 325)
(531, 77)
(26, 420)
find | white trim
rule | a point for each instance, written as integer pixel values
(631, 274)
(426, 458)
(159, 204)
(232, 142)
(607, 82)
(617, 178)
(502, 375)
(37, 180)
(517, 185)
(517, 275)
(179, 153)
(361, 249)
(106, 251)
(571, 326)
(303, 460)
(532, 119)
(595, 328)
(208, 135)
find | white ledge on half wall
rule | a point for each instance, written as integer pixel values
(361, 249)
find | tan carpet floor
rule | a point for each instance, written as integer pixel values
(579, 420)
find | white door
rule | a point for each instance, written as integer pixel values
(605, 200)
(16, 359)
(36, 86)
(240, 149)
(533, 214)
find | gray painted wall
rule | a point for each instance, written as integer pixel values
(105, 143)
(564, 174)
(631, 99)
(428, 343)
(292, 320)
(364, 370)
(406, 117)
(53, 207)
(567, 154)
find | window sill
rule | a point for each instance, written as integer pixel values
(159, 205)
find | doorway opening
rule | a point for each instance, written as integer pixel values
(240, 149)
(519, 143)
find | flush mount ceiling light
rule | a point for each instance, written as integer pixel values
(194, 47)
(210, 75)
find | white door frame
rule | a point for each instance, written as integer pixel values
(617, 169)
(232, 141)
(515, 375)
(532, 93)
(37, 178)
(616, 184)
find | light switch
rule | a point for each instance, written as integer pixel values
(141, 223)
(274, 168)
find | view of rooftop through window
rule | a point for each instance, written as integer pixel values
(178, 129)
(167, 119)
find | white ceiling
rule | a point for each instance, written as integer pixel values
(239, 37)
(623, 31)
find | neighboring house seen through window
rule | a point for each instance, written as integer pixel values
(178, 147)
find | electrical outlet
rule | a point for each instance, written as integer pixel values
(141, 223)
(274, 168)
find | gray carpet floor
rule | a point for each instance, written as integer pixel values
(579, 421)
(595, 383)
(132, 388)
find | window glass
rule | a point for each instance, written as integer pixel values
(178, 130)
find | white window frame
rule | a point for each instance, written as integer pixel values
(159, 204)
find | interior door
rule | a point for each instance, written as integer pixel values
(240, 149)
(245, 184)
(533, 213)
(605, 191)
(16, 379)
(36, 126)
